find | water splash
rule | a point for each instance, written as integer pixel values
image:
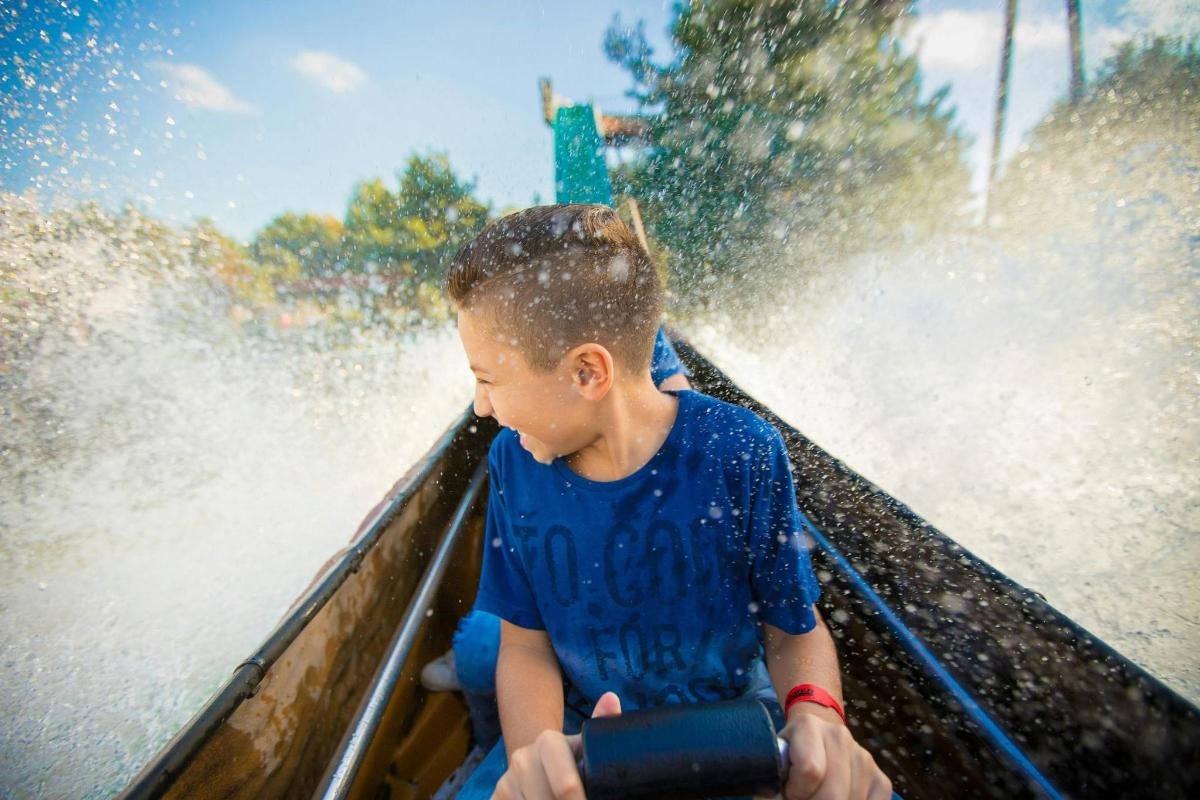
(171, 479)
(1034, 398)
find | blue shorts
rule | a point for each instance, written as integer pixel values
(476, 648)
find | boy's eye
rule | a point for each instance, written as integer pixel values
(482, 381)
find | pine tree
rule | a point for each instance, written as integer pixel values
(777, 122)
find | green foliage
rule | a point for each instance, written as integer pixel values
(300, 245)
(246, 281)
(1161, 65)
(1146, 80)
(386, 261)
(438, 214)
(780, 121)
(373, 229)
(413, 232)
(384, 265)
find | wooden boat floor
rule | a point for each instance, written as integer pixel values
(434, 748)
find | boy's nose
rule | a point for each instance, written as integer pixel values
(483, 406)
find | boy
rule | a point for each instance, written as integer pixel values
(642, 547)
(469, 665)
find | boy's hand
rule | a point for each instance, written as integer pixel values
(826, 762)
(548, 768)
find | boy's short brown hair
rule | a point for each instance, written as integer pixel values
(555, 277)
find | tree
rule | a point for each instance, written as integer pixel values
(405, 240)
(310, 242)
(386, 261)
(438, 214)
(229, 262)
(1126, 152)
(372, 227)
(781, 122)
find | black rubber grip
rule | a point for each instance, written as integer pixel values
(682, 751)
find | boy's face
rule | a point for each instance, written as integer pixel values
(543, 407)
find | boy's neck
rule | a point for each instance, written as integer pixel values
(634, 420)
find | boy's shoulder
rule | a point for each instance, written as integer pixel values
(716, 420)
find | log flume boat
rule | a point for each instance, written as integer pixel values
(960, 682)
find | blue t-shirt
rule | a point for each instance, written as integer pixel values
(665, 361)
(651, 586)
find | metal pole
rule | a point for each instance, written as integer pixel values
(1010, 19)
(639, 230)
(1074, 26)
(343, 769)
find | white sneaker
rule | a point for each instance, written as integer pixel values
(439, 675)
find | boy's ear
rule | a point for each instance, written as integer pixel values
(591, 370)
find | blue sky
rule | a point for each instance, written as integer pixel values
(242, 110)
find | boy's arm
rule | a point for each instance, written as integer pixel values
(825, 759)
(528, 686)
(805, 658)
(541, 760)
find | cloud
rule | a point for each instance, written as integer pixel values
(1047, 33)
(329, 71)
(971, 40)
(1102, 43)
(195, 87)
(1175, 17)
(954, 40)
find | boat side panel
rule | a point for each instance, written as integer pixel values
(424, 737)
(277, 743)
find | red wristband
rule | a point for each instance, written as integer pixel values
(811, 693)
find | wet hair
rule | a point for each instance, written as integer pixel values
(554, 277)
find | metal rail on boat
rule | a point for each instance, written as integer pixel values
(1005, 746)
(352, 751)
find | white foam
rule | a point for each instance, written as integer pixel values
(1035, 400)
(198, 478)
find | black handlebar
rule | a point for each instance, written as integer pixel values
(683, 752)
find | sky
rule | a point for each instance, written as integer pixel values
(240, 111)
